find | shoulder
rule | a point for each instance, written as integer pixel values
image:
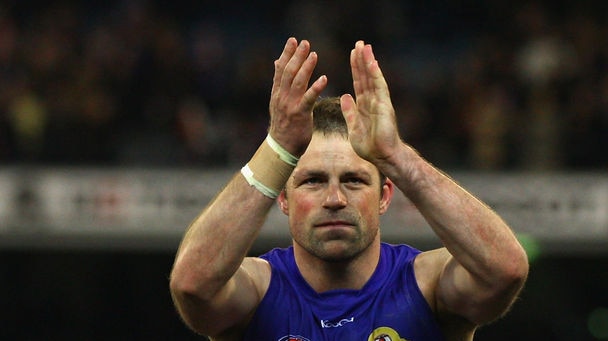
(400, 252)
(259, 269)
(428, 266)
(277, 254)
(280, 260)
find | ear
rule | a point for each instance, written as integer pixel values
(282, 202)
(386, 196)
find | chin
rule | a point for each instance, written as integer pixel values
(338, 251)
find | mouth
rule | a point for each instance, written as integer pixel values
(334, 224)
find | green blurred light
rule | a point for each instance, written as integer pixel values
(597, 322)
(531, 245)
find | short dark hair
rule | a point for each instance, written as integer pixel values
(328, 118)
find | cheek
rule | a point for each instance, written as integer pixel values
(299, 209)
(300, 212)
(369, 211)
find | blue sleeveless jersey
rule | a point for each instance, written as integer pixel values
(390, 307)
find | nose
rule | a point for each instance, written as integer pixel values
(335, 199)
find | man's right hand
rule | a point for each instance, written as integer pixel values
(291, 100)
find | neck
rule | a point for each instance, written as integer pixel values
(324, 275)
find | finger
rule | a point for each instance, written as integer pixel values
(359, 76)
(303, 75)
(294, 65)
(349, 110)
(364, 64)
(310, 96)
(361, 64)
(355, 72)
(279, 64)
(376, 80)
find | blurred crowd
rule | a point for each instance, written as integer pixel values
(478, 85)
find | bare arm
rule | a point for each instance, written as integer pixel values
(208, 281)
(214, 286)
(486, 266)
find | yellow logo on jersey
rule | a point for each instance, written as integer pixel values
(385, 334)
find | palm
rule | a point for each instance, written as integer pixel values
(291, 99)
(371, 120)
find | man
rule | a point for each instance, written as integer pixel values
(338, 281)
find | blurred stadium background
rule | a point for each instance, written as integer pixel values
(120, 120)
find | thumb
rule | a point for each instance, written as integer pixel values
(349, 110)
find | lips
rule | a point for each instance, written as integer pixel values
(333, 223)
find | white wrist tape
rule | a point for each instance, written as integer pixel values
(269, 168)
(283, 154)
(267, 191)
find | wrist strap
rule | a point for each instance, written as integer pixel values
(269, 168)
(251, 180)
(283, 154)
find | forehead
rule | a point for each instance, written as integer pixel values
(332, 153)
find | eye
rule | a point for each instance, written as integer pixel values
(312, 181)
(353, 180)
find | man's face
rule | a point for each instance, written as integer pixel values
(334, 200)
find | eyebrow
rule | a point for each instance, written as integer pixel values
(322, 174)
(359, 174)
(310, 173)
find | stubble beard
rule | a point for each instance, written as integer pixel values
(341, 248)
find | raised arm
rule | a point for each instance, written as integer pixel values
(484, 267)
(214, 286)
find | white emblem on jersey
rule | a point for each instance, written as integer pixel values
(328, 324)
